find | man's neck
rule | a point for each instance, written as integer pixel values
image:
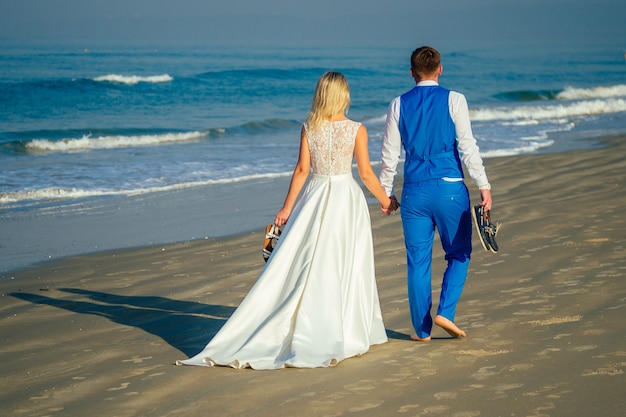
(434, 78)
(427, 80)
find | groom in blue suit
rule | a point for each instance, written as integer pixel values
(432, 125)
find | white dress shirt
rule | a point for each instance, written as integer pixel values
(466, 143)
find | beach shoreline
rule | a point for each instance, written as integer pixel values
(100, 332)
(36, 234)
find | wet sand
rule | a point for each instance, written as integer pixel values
(98, 334)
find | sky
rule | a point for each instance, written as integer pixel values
(316, 22)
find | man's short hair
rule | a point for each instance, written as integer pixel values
(425, 60)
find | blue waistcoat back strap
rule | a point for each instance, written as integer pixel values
(428, 135)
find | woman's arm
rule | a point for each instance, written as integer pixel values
(298, 178)
(366, 172)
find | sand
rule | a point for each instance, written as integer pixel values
(98, 334)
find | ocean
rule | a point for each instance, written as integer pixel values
(88, 123)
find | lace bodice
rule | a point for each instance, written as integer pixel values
(332, 147)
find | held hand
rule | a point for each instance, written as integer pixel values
(394, 203)
(393, 206)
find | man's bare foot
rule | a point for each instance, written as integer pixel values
(420, 339)
(449, 327)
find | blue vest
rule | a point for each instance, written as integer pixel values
(428, 135)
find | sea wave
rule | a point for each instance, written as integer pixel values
(262, 126)
(528, 95)
(531, 147)
(109, 142)
(568, 93)
(376, 120)
(58, 140)
(263, 73)
(571, 93)
(134, 79)
(556, 111)
(62, 194)
(49, 194)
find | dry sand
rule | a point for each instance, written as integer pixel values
(97, 335)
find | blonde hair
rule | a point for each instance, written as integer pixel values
(332, 95)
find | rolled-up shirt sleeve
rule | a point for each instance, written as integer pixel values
(391, 148)
(466, 143)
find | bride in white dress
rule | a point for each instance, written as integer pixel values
(316, 302)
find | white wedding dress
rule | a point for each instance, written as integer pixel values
(316, 302)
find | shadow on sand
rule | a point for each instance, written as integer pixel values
(187, 326)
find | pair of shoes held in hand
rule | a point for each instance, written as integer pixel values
(487, 231)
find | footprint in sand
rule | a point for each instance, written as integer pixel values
(584, 348)
(501, 390)
(471, 413)
(446, 395)
(482, 352)
(367, 406)
(611, 369)
(124, 385)
(484, 373)
(407, 408)
(521, 367)
(436, 409)
(554, 320)
(137, 359)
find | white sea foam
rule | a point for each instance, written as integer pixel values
(134, 79)
(556, 111)
(376, 120)
(109, 142)
(571, 93)
(521, 123)
(529, 148)
(51, 194)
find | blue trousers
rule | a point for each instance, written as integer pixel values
(443, 205)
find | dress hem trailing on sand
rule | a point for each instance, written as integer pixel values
(316, 301)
